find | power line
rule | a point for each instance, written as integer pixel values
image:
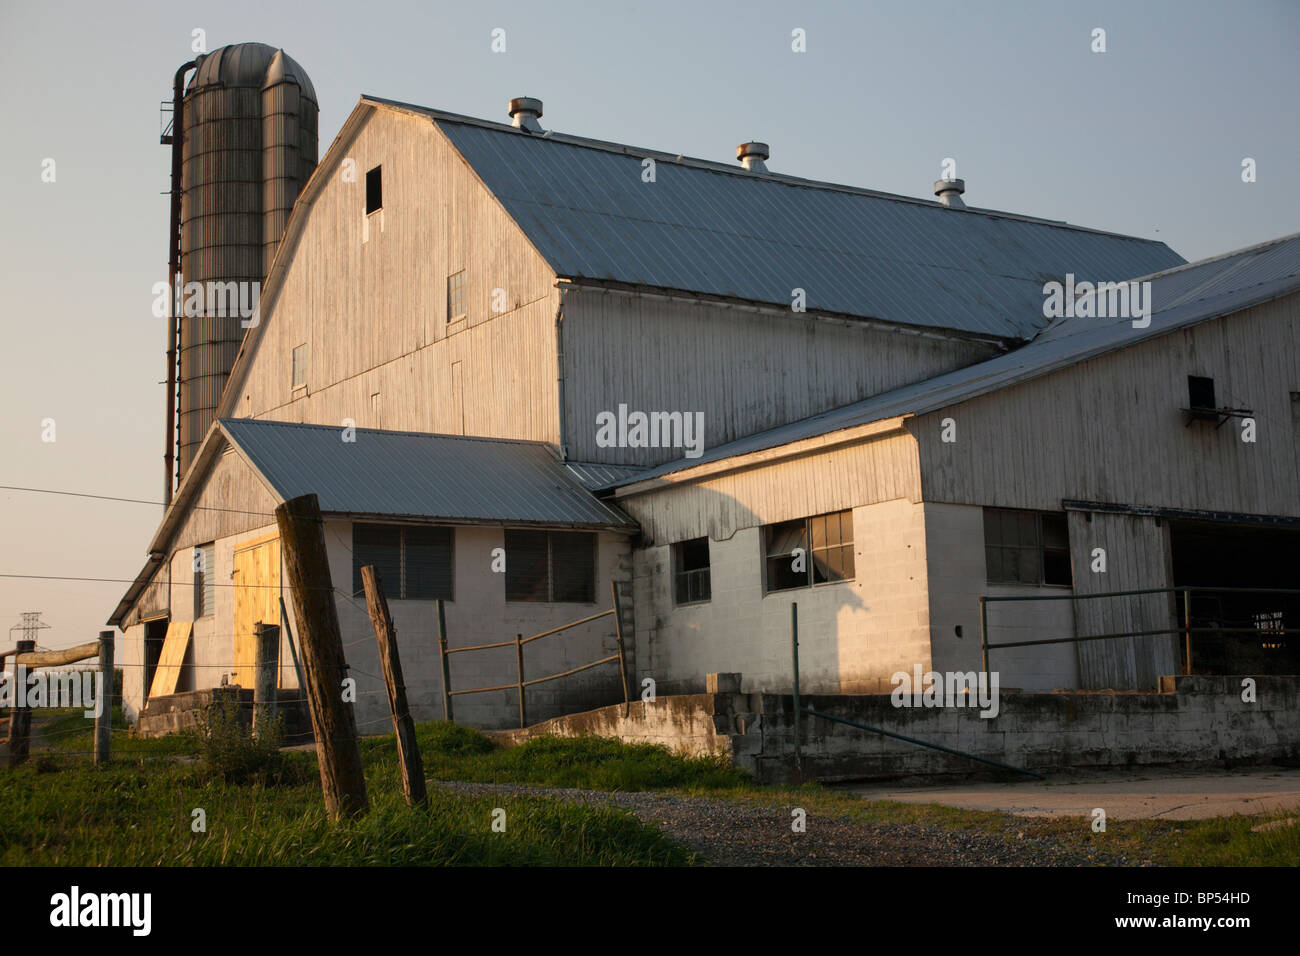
(134, 501)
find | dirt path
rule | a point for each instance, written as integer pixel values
(725, 833)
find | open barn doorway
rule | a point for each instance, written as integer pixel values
(1239, 574)
(155, 633)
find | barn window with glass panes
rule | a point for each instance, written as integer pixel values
(1026, 547)
(809, 551)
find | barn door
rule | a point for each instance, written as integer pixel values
(257, 598)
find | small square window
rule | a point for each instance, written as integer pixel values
(374, 190)
(691, 574)
(298, 362)
(1200, 392)
(456, 296)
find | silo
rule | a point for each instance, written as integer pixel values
(250, 141)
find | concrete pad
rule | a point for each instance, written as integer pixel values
(1124, 795)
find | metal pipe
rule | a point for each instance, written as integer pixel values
(1187, 624)
(984, 636)
(559, 370)
(173, 273)
(794, 651)
(519, 661)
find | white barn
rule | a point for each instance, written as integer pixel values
(877, 386)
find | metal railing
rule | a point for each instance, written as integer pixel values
(521, 684)
(1187, 628)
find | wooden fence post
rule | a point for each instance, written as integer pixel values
(20, 716)
(447, 713)
(104, 719)
(265, 667)
(302, 537)
(408, 751)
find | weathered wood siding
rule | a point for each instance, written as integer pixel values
(367, 295)
(232, 500)
(745, 370)
(1110, 429)
(880, 469)
(1138, 556)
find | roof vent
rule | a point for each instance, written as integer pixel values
(949, 192)
(751, 156)
(525, 112)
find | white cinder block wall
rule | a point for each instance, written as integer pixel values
(479, 614)
(853, 635)
(955, 544)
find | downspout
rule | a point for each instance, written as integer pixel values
(173, 273)
(559, 371)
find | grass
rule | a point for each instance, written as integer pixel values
(60, 810)
(139, 811)
(453, 752)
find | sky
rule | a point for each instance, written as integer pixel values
(1146, 138)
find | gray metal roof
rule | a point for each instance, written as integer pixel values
(720, 230)
(594, 474)
(413, 474)
(1180, 297)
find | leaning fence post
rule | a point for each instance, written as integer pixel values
(104, 716)
(622, 657)
(20, 716)
(408, 751)
(306, 562)
(519, 661)
(264, 674)
(447, 713)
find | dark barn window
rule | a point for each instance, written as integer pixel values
(1200, 392)
(826, 543)
(1026, 547)
(374, 190)
(414, 561)
(691, 571)
(551, 566)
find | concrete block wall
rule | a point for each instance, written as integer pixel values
(479, 614)
(954, 536)
(852, 635)
(1203, 720)
(1200, 720)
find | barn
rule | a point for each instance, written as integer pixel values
(534, 376)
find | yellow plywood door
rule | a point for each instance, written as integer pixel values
(257, 598)
(171, 659)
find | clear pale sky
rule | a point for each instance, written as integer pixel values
(1146, 139)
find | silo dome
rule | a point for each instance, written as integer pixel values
(250, 144)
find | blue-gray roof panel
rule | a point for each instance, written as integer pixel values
(727, 232)
(1180, 298)
(412, 474)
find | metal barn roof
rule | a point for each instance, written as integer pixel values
(1180, 297)
(413, 474)
(718, 229)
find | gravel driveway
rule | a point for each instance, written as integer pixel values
(724, 833)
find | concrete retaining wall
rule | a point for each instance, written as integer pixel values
(1195, 720)
(180, 713)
